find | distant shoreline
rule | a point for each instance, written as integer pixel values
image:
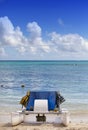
(47, 60)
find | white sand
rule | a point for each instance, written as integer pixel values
(80, 126)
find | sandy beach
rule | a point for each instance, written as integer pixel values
(78, 126)
(77, 122)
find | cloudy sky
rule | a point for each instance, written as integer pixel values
(43, 29)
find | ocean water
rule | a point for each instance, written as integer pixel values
(68, 77)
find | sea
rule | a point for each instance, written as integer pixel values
(70, 78)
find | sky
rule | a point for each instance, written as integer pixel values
(43, 29)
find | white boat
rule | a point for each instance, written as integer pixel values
(41, 107)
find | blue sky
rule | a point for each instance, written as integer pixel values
(44, 29)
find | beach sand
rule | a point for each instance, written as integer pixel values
(45, 126)
(77, 122)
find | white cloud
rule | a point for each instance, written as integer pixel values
(10, 36)
(34, 29)
(68, 45)
(60, 21)
(21, 49)
(70, 42)
(2, 52)
(36, 43)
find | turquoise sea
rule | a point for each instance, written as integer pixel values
(68, 77)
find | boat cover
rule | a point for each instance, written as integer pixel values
(49, 95)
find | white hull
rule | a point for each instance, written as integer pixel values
(18, 117)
